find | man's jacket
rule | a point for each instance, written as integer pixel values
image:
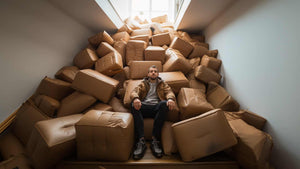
(163, 90)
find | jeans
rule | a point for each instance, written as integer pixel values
(158, 112)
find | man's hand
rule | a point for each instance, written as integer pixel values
(137, 104)
(171, 104)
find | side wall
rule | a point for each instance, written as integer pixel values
(37, 39)
(258, 42)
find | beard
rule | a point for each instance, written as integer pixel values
(153, 78)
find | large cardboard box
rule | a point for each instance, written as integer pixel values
(85, 59)
(120, 46)
(211, 62)
(203, 135)
(131, 84)
(176, 62)
(104, 49)
(220, 98)
(176, 80)
(126, 28)
(55, 88)
(155, 53)
(184, 47)
(161, 39)
(139, 69)
(101, 37)
(121, 36)
(192, 102)
(144, 38)
(135, 50)
(67, 73)
(47, 105)
(206, 74)
(104, 135)
(254, 146)
(96, 84)
(198, 51)
(110, 64)
(137, 32)
(75, 103)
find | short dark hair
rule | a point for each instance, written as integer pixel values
(153, 66)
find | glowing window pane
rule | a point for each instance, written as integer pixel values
(160, 5)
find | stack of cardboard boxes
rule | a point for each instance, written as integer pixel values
(90, 99)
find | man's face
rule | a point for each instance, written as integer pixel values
(153, 73)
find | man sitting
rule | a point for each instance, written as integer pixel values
(152, 98)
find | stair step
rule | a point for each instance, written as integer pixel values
(216, 161)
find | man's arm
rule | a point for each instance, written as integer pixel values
(170, 96)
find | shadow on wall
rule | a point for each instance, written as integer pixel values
(226, 19)
(87, 13)
(279, 152)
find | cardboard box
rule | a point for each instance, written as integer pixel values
(176, 80)
(192, 102)
(104, 135)
(135, 50)
(144, 38)
(101, 37)
(110, 64)
(126, 28)
(47, 105)
(137, 32)
(220, 98)
(206, 74)
(67, 73)
(160, 19)
(254, 147)
(104, 49)
(85, 59)
(139, 69)
(198, 51)
(212, 53)
(211, 62)
(54, 88)
(95, 84)
(161, 39)
(196, 84)
(184, 47)
(203, 135)
(120, 46)
(131, 84)
(155, 53)
(75, 103)
(121, 36)
(176, 62)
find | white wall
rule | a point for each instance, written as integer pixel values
(259, 44)
(36, 39)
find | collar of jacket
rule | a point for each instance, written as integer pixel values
(147, 79)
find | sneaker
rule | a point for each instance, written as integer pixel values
(156, 148)
(140, 149)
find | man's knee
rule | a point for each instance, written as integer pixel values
(163, 105)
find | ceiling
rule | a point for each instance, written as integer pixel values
(199, 14)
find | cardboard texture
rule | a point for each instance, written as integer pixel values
(155, 53)
(135, 50)
(120, 46)
(95, 84)
(47, 105)
(139, 69)
(85, 59)
(220, 98)
(144, 38)
(211, 62)
(196, 137)
(198, 51)
(176, 80)
(98, 135)
(67, 73)
(75, 103)
(206, 74)
(192, 102)
(161, 39)
(126, 28)
(101, 37)
(104, 49)
(184, 47)
(176, 62)
(137, 32)
(110, 64)
(121, 36)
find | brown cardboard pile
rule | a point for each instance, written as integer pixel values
(107, 70)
